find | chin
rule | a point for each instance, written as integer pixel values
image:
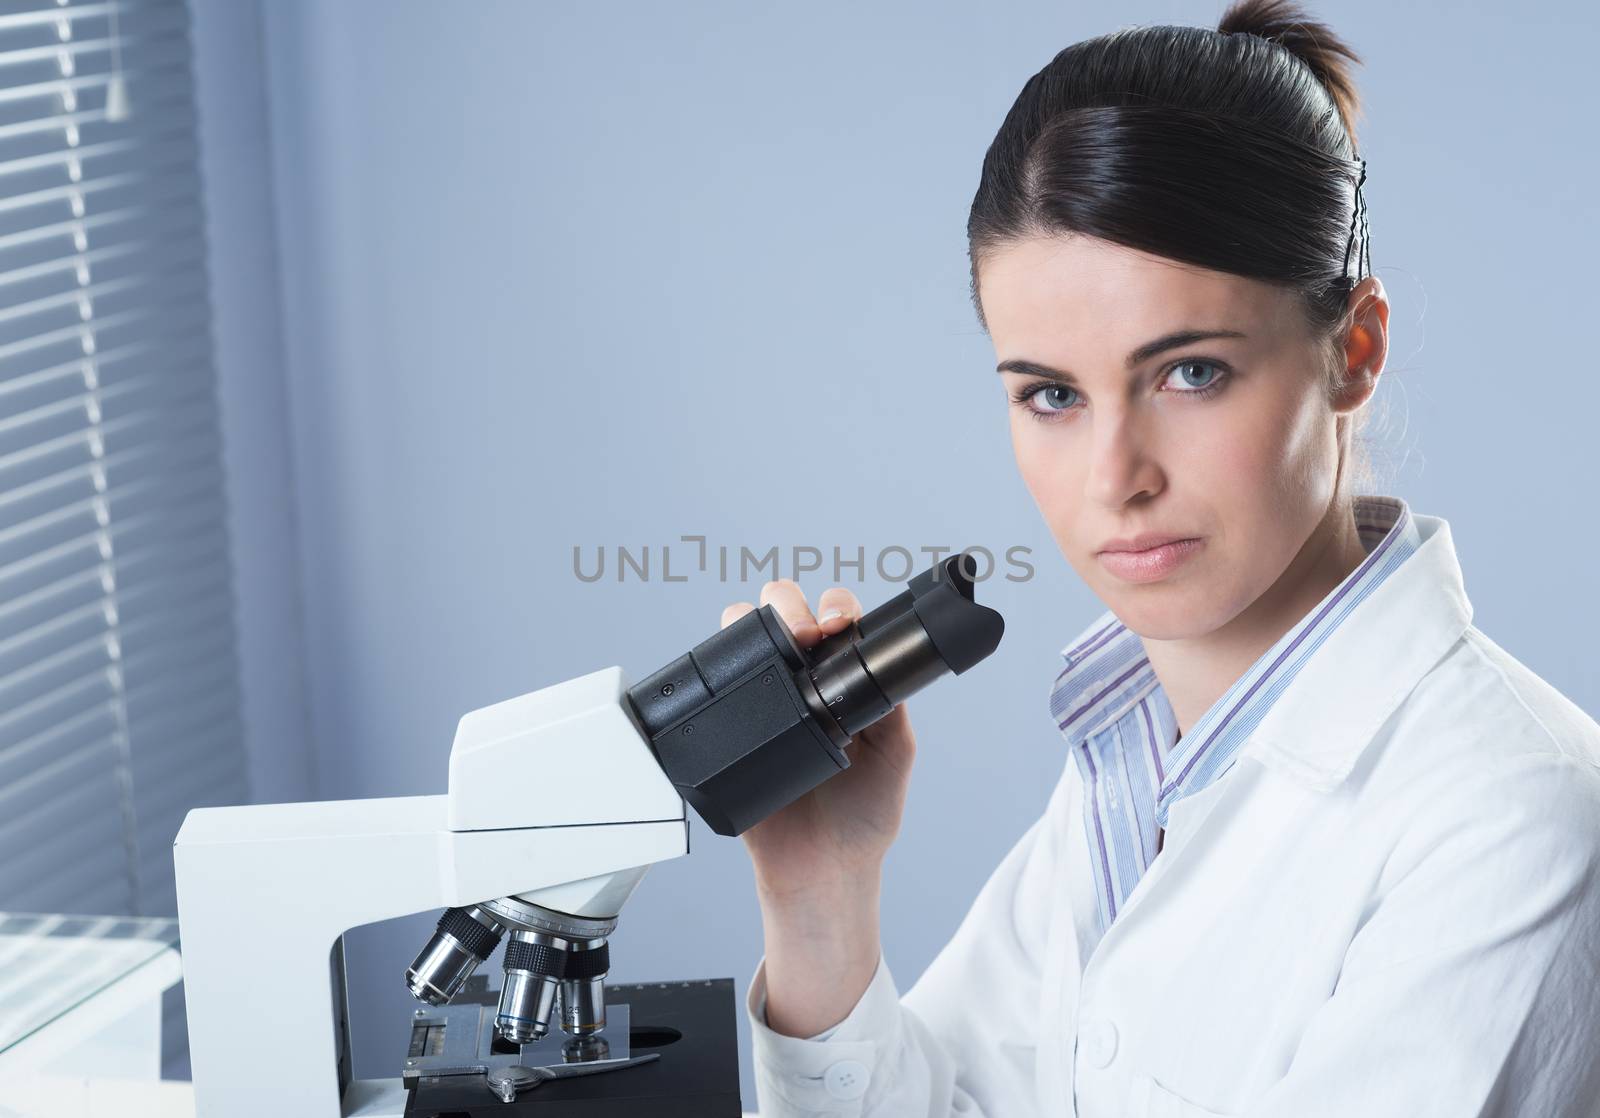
(1166, 610)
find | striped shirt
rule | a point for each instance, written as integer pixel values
(1121, 729)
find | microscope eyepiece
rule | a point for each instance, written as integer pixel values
(746, 721)
(464, 938)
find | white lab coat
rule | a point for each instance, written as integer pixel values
(1388, 906)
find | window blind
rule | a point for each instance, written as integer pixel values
(119, 704)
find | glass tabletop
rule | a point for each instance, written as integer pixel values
(50, 964)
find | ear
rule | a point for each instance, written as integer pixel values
(1366, 344)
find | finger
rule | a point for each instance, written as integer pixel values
(732, 613)
(789, 601)
(837, 598)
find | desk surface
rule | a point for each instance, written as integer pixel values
(51, 964)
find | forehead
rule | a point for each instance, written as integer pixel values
(1081, 292)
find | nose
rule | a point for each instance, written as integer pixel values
(1122, 466)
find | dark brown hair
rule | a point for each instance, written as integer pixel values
(1231, 149)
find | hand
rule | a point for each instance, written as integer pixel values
(832, 840)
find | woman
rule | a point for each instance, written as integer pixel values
(1380, 893)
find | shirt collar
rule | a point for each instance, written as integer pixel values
(1315, 730)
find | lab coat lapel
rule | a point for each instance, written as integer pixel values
(1320, 726)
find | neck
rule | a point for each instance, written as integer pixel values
(1195, 672)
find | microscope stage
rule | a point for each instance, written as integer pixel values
(692, 1025)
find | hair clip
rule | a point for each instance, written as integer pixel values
(1358, 212)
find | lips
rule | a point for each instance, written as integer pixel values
(1152, 563)
(1144, 541)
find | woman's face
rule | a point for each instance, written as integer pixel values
(1230, 441)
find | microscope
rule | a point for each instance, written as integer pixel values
(558, 802)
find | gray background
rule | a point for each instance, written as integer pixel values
(495, 280)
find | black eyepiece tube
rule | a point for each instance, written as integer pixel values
(746, 722)
(905, 644)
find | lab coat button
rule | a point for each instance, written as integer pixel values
(846, 1079)
(1100, 1042)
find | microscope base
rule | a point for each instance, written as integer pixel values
(692, 1024)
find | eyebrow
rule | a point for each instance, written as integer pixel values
(1137, 357)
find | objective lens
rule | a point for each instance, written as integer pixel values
(583, 1005)
(526, 1002)
(465, 937)
(534, 965)
(583, 987)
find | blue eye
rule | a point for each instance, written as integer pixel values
(1182, 365)
(1055, 397)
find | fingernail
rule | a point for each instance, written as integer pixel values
(830, 615)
